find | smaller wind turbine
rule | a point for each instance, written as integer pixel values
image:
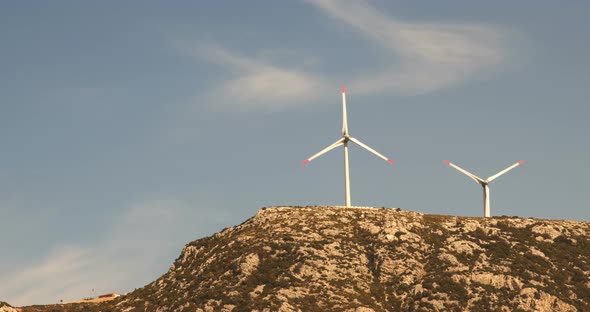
(344, 141)
(484, 183)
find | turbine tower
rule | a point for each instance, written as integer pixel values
(484, 183)
(344, 141)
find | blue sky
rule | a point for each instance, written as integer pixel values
(129, 130)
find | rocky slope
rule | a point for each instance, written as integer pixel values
(5, 307)
(370, 259)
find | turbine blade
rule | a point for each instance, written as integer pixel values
(344, 115)
(492, 178)
(325, 150)
(465, 172)
(372, 150)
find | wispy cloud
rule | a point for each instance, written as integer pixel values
(426, 57)
(258, 84)
(429, 56)
(144, 239)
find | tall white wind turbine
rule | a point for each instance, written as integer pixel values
(484, 183)
(344, 141)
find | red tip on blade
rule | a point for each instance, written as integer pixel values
(390, 161)
(521, 161)
(305, 162)
(447, 162)
(343, 89)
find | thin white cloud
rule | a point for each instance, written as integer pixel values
(258, 84)
(421, 58)
(138, 248)
(428, 56)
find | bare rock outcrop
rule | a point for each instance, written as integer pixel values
(5, 307)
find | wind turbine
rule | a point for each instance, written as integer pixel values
(484, 183)
(344, 141)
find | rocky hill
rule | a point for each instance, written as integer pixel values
(5, 307)
(374, 259)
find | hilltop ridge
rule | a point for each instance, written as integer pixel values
(5, 307)
(374, 259)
